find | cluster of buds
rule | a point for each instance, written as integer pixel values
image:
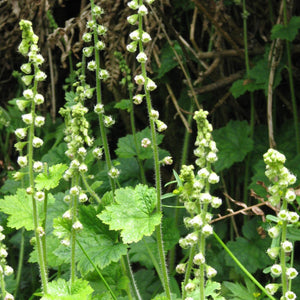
(32, 75)
(281, 195)
(195, 195)
(138, 38)
(5, 269)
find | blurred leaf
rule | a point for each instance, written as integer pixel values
(124, 104)
(287, 32)
(233, 143)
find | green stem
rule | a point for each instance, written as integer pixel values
(291, 82)
(188, 270)
(282, 253)
(99, 101)
(2, 282)
(131, 277)
(20, 262)
(159, 237)
(89, 189)
(97, 270)
(73, 231)
(41, 258)
(125, 271)
(141, 167)
(242, 267)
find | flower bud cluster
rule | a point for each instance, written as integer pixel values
(5, 269)
(281, 195)
(31, 98)
(194, 193)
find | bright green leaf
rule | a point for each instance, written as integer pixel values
(51, 179)
(132, 213)
(233, 143)
(19, 209)
(238, 291)
(287, 32)
(61, 290)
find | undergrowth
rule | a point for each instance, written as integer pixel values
(92, 214)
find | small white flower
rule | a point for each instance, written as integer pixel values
(213, 178)
(211, 157)
(27, 119)
(22, 104)
(205, 198)
(132, 19)
(39, 196)
(83, 197)
(82, 151)
(113, 172)
(132, 47)
(139, 79)
(150, 86)
(135, 35)
(180, 269)
(40, 76)
(290, 196)
(29, 190)
(154, 114)
(91, 24)
(83, 168)
(39, 121)
(133, 4)
(22, 161)
(9, 296)
(101, 30)
(276, 270)
(39, 59)
(21, 133)
(99, 108)
(161, 126)
(207, 230)
(203, 173)
(191, 238)
(195, 222)
(272, 288)
(103, 74)
(290, 295)
(65, 242)
(145, 142)
(98, 152)
(77, 226)
(199, 259)
(67, 215)
(150, 1)
(28, 94)
(38, 99)
(3, 253)
(293, 217)
(291, 273)
(141, 57)
(87, 37)
(38, 166)
(273, 252)
(97, 11)
(211, 272)
(283, 215)
(146, 37)
(8, 270)
(287, 246)
(26, 68)
(216, 202)
(92, 65)
(67, 199)
(142, 10)
(190, 287)
(138, 99)
(108, 121)
(87, 51)
(74, 190)
(37, 142)
(100, 45)
(274, 232)
(167, 160)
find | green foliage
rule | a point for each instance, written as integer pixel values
(60, 290)
(49, 179)
(124, 104)
(240, 292)
(286, 32)
(233, 143)
(19, 209)
(132, 213)
(126, 147)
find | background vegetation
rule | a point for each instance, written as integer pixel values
(239, 63)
